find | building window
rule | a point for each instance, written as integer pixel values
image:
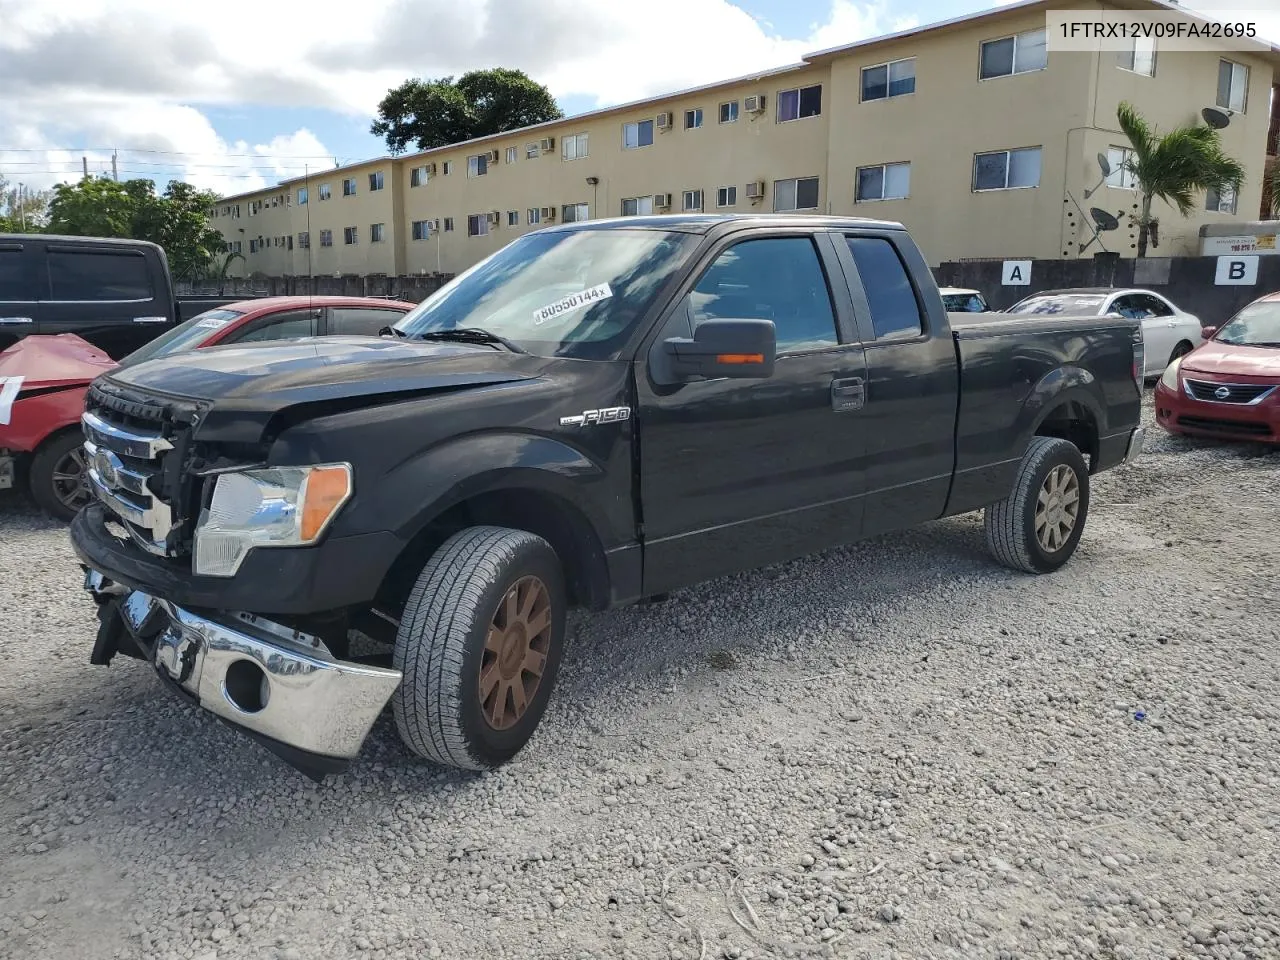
(1233, 85)
(574, 147)
(636, 135)
(375, 181)
(727, 197)
(1223, 201)
(637, 206)
(512, 154)
(446, 168)
(253, 246)
(302, 196)
(885, 80)
(513, 218)
(800, 194)
(377, 232)
(325, 191)
(448, 224)
(1141, 58)
(304, 241)
(478, 225)
(533, 215)
(530, 151)
(350, 235)
(349, 188)
(729, 111)
(693, 118)
(1009, 55)
(417, 176)
(289, 242)
(326, 238)
(692, 200)
(478, 166)
(1120, 176)
(421, 229)
(799, 103)
(1007, 169)
(890, 181)
(575, 212)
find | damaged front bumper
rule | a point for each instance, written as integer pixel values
(282, 687)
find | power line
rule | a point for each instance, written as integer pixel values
(169, 153)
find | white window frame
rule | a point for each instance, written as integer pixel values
(422, 227)
(377, 181)
(533, 215)
(643, 206)
(513, 218)
(446, 168)
(887, 66)
(691, 201)
(349, 187)
(326, 238)
(304, 240)
(1236, 69)
(1221, 207)
(577, 208)
(799, 92)
(304, 194)
(884, 180)
(512, 154)
(448, 224)
(733, 110)
(377, 232)
(350, 236)
(1119, 178)
(531, 151)
(796, 193)
(576, 146)
(418, 176)
(478, 165)
(637, 124)
(728, 194)
(1144, 47)
(693, 114)
(1016, 38)
(1008, 164)
(477, 225)
(324, 192)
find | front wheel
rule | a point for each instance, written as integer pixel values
(59, 475)
(1037, 527)
(479, 646)
(1180, 351)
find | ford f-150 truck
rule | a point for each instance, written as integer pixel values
(597, 414)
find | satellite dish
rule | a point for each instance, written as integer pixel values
(1216, 117)
(1104, 220)
(1104, 164)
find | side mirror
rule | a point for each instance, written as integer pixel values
(742, 349)
(1208, 332)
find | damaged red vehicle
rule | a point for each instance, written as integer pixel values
(43, 380)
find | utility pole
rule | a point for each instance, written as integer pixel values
(115, 173)
(85, 161)
(22, 207)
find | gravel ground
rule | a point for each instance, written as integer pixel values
(892, 750)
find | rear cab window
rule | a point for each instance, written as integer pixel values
(96, 276)
(891, 297)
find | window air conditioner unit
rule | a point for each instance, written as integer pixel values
(755, 190)
(493, 156)
(662, 199)
(431, 169)
(435, 225)
(664, 121)
(754, 104)
(548, 213)
(493, 218)
(547, 143)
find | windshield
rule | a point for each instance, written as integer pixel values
(573, 293)
(1257, 325)
(1060, 303)
(963, 303)
(185, 336)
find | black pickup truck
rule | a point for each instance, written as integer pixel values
(116, 294)
(597, 414)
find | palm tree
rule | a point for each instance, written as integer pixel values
(219, 266)
(1174, 167)
(1275, 186)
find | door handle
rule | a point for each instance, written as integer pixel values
(150, 319)
(848, 393)
(13, 321)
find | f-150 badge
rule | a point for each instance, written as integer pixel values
(603, 415)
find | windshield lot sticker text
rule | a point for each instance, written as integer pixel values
(572, 302)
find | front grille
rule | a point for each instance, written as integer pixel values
(1246, 393)
(1237, 427)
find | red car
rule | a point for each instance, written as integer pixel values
(1229, 387)
(43, 380)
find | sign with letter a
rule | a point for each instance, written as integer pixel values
(1236, 272)
(1016, 273)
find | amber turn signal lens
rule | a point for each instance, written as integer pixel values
(327, 489)
(740, 358)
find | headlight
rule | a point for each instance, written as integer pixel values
(1170, 376)
(277, 507)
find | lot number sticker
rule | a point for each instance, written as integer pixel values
(9, 387)
(213, 322)
(574, 301)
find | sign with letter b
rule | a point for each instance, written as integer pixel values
(1236, 272)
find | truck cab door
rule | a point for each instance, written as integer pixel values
(18, 294)
(738, 473)
(104, 295)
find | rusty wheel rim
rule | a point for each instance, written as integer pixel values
(515, 652)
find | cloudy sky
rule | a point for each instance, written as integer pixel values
(240, 93)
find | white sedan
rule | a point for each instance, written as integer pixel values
(1167, 332)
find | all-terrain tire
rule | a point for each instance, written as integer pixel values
(441, 646)
(1011, 524)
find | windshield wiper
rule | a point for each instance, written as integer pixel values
(471, 335)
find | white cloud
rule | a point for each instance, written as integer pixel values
(132, 73)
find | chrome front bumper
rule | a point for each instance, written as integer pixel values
(271, 681)
(1136, 440)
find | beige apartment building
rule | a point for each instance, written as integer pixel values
(971, 134)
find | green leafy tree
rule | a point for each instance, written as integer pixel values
(92, 207)
(1174, 167)
(22, 210)
(435, 113)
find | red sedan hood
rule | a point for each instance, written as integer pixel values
(1215, 357)
(61, 361)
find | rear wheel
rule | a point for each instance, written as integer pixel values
(479, 645)
(59, 475)
(1037, 527)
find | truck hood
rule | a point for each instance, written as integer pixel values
(1225, 358)
(50, 363)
